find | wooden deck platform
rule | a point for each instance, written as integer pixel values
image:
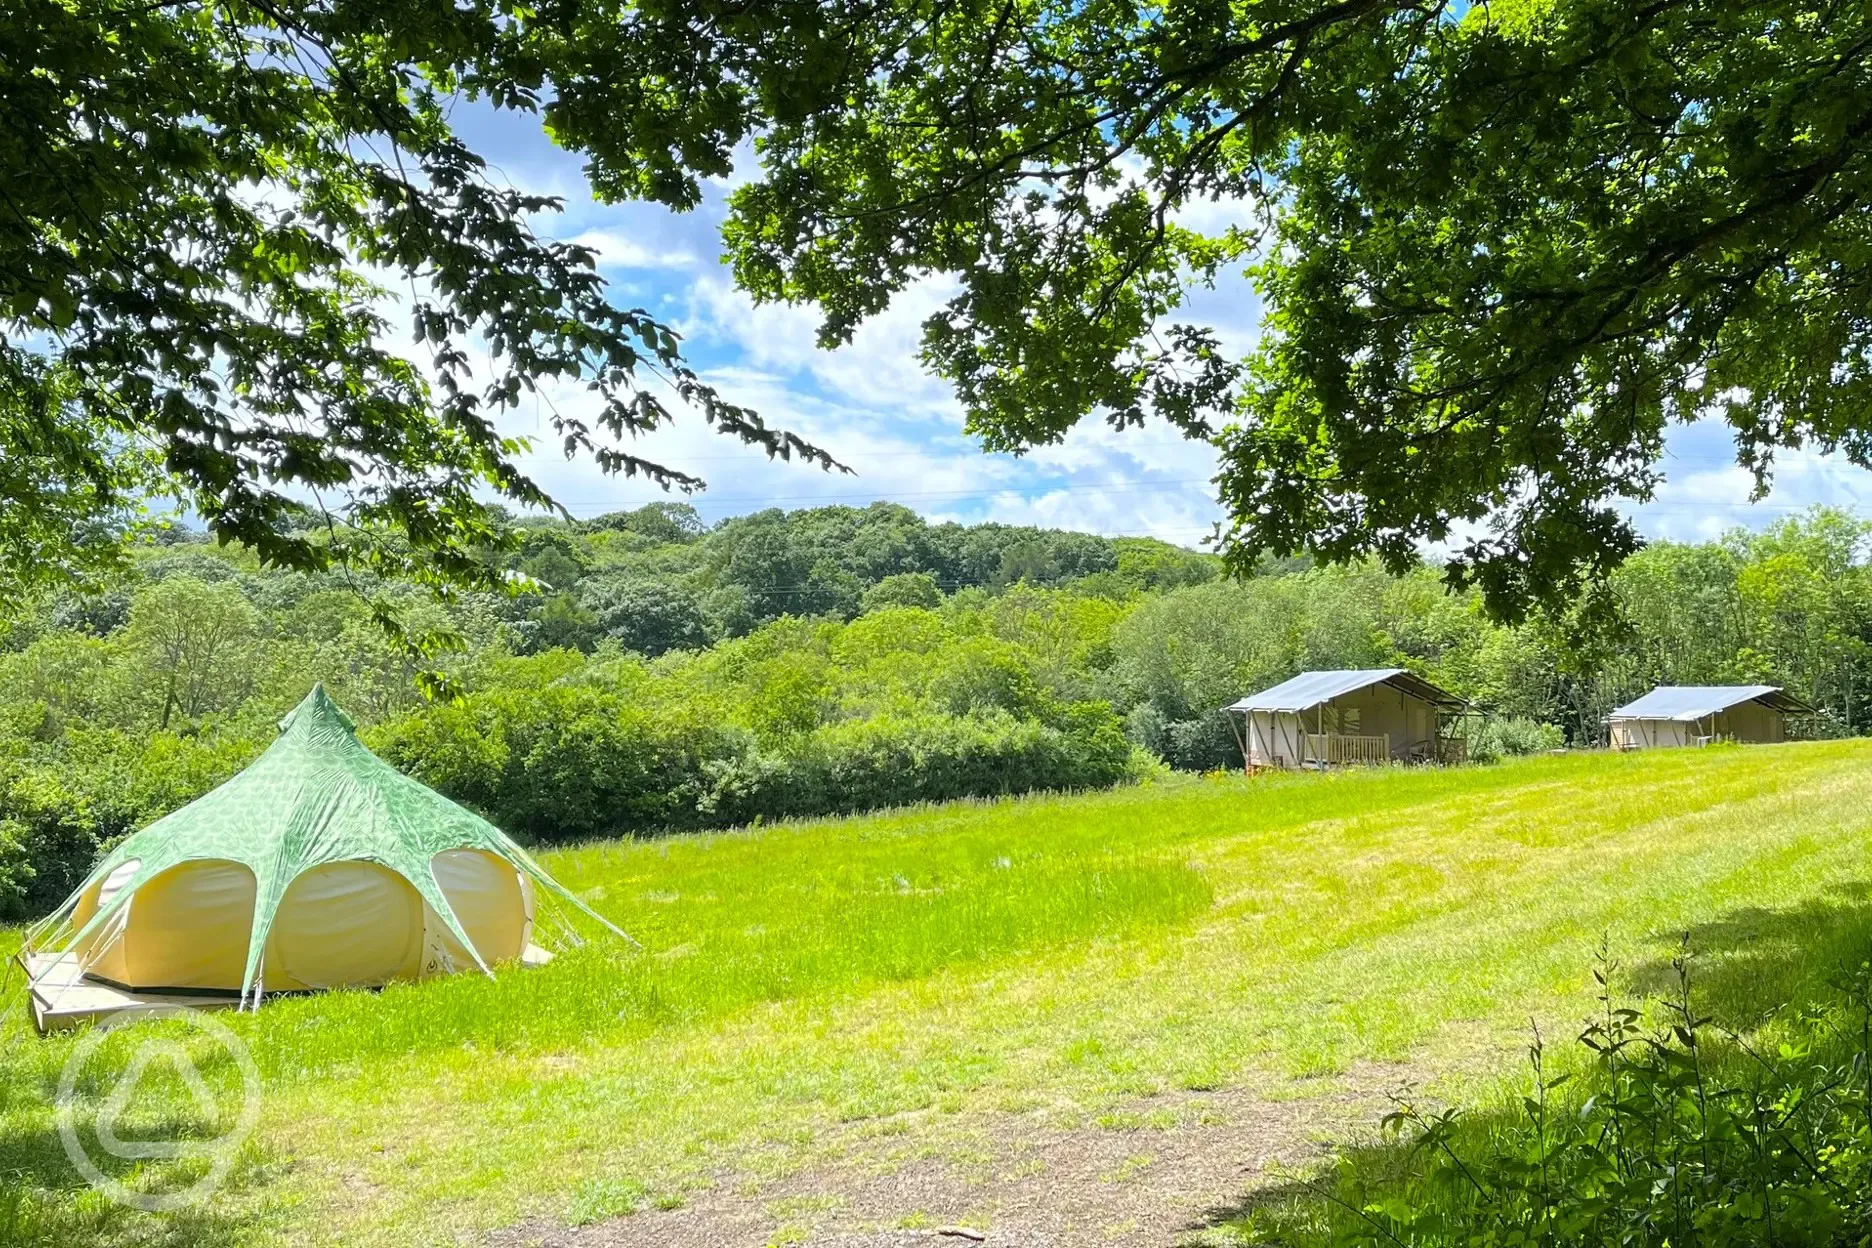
(61, 998)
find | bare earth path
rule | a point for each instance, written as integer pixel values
(1156, 1174)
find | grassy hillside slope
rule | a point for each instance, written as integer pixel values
(887, 977)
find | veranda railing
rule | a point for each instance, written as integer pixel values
(1336, 749)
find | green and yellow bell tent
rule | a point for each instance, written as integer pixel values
(318, 866)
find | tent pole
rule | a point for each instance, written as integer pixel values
(1241, 737)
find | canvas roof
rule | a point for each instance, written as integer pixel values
(1309, 689)
(1692, 702)
(317, 795)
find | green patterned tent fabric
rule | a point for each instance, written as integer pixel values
(318, 795)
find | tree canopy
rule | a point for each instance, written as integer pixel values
(1501, 246)
(215, 219)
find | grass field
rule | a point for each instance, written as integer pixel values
(887, 978)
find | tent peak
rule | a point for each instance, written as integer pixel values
(315, 711)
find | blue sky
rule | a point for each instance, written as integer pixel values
(872, 405)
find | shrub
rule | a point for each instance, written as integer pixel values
(645, 615)
(56, 831)
(1504, 738)
(897, 760)
(1688, 1135)
(902, 589)
(574, 762)
(561, 763)
(59, 811)
(983, 675)
(16, 870)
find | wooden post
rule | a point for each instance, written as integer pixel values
(1242, 737)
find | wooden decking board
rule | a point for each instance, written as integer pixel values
(62, 997)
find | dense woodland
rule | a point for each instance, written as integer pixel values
(657, 673)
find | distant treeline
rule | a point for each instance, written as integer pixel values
(662, 674)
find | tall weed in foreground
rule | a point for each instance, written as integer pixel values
(1676, 1132)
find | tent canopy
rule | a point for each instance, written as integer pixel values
(1310, 689)
(317, 796)
(1693, 702)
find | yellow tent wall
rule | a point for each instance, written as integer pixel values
(341, 924)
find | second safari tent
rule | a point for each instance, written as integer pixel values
(1328, 719)
(1698, 714)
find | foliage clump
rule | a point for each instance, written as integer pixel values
(1504, 738)
(1681, 1131)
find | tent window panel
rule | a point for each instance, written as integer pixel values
(345, 923)
(491, 902)
(102, 894)
(186, 927)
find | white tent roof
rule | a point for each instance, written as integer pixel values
(1309, 689)
(1693, 702)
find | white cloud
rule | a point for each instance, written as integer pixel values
(616, 251)
(878, 369)
(1706, 493)
(874, 406)
(1146, 482)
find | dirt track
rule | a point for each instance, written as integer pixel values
(1012, 1181)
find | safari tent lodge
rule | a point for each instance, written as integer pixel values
(1331, 719)
(1699, 714)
